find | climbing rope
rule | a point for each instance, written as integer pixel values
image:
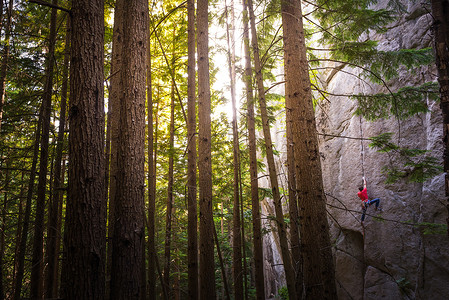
(362, 148)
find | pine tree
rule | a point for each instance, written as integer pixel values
(85, 234)
(128, 237)
(318, 267)
(237, 270)
(255, 207)
(192, 248)
(280, 223)
(113, 127)
(54, 224)
(39, 222)
(206, 224)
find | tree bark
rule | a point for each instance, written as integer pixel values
(53, 231)
(206, 226)
(440, 12)
(282, 231)
(192, 233)
(316, 250)
(36, 289)
(293, 202)
(255, 207)
(170, 212)
(129, 199)
(114, 129)
(85, 235)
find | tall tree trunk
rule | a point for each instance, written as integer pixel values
(440, 12)
(151, 185)
(255, 209)
(282, 231)
(207, 272)
(192, 226)
(293, 202)
(36, 289)
(53, 231)
(242, 228)
(59, 229)
(129, 199)
(237, 271)
(316, 250)
(85, 234)
(113, 127)
(5, 58)
(169, 213)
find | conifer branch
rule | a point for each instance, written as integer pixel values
(173, 78)
(43, 3)
(167, 15)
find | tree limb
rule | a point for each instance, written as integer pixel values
(40, 2)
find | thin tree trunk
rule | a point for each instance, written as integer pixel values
(129, 199)
(18, 232)
(85, 234)
(192, 226)
(169, 213)
(151, 184)
(53, 231)
(5, 58)
(113, 127)
(282, 231)
(58, 228)
(1, 15)
(2, 231)
(316, 250)
(206, 226)
(26, 218)
(255, 209)
(242, 226)
(440, 12)
(36, 289)
(222, 266)
(237, 271)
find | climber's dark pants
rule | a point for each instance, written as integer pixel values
(368, 203)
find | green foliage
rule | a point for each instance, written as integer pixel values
(415, 165)
(403, 104)
(432, 228)
(348, 20)
(282, 293)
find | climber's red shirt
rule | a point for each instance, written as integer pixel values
(363, 195)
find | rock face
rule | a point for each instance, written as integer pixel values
(387, 258)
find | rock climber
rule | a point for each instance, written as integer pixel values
(363, 195)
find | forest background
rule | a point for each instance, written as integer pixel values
(99, 197)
